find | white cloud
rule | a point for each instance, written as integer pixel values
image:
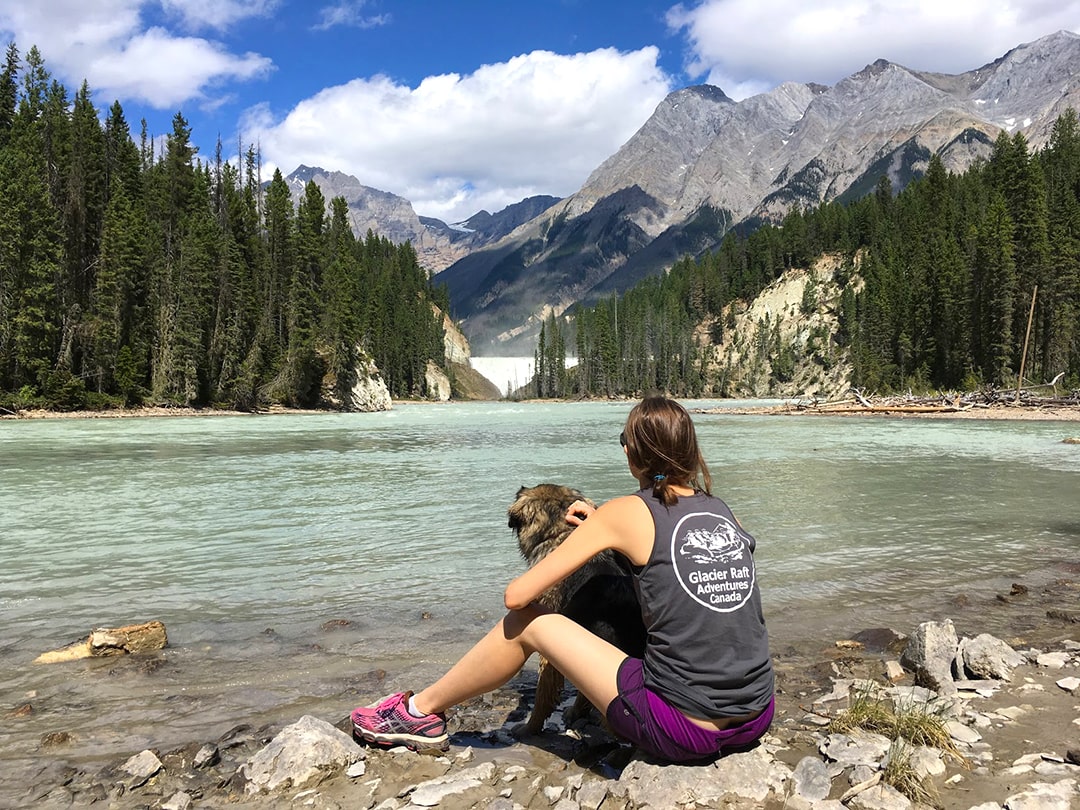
(536, 124)
(219, 14)
(746, 46)
(349, 13)
(106, 43)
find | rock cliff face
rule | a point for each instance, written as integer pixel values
(703, 163)
(799, 312)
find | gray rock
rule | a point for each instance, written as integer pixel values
(961, 733)
(881, 797)
(208, 757)
(178, 801)
(591, 795)
(553, 792)
(860, 773)
(1045, 796)
(750, 776)
(811, 779)
(856, 749)
(302, 754)
(357, 769)
(141, 768)
(433, 791)
(930, 654)
(1054, 660)
(1070, 685)
(988, 657)
(927, 761)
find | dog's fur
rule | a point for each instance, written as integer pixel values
(599, 596)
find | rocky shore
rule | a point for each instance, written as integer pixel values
(1010, 711)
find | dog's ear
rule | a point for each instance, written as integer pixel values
(515, 519)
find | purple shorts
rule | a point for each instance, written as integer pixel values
(642, 717)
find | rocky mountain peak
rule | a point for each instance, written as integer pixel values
(875, 68)
(703, 163)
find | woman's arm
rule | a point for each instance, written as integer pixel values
(623, 524)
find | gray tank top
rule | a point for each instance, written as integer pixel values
(707, 651)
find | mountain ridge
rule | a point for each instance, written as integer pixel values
(703, 158)
(437, 244)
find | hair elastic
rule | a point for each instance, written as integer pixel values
(658, 478)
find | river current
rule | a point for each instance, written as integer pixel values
(295, 559)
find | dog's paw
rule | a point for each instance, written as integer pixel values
(527, 729)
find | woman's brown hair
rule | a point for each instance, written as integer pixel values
(661, 442)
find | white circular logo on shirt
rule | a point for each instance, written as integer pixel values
(712, 561)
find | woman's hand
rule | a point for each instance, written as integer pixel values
(578, 511)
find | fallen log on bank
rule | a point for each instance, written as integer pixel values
(950, 402)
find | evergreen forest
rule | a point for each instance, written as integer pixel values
(938, 283)
(137, 273)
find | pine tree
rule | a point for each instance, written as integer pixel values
(341, 328)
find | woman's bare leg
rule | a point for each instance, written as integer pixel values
(587, 661)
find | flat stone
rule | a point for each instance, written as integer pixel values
(962, 733)
(1028, 759)
(1018, 770)
(433, 791)
(927, 761)
(1012, 712)
(1054, 660)
(357, 769)
(881, 797)
(178, 801)
(1070, 684)
(753, 775)
(856, 749)
(591, 795)
(141, 768)
(1044, 796)
(1056, 769)
(811, 779)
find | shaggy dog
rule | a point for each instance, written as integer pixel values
(599, 596)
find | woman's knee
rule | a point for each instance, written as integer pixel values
(519, 625)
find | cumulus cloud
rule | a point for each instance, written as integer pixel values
(538, 123)
(107, 43)
(219, 14)
(746, 46)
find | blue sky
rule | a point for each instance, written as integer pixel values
(476, 104)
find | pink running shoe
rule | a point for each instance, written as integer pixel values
(389, 723)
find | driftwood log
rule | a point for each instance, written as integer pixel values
(131, 638)
(942, 403)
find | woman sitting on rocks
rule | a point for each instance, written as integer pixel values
(705, 684)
